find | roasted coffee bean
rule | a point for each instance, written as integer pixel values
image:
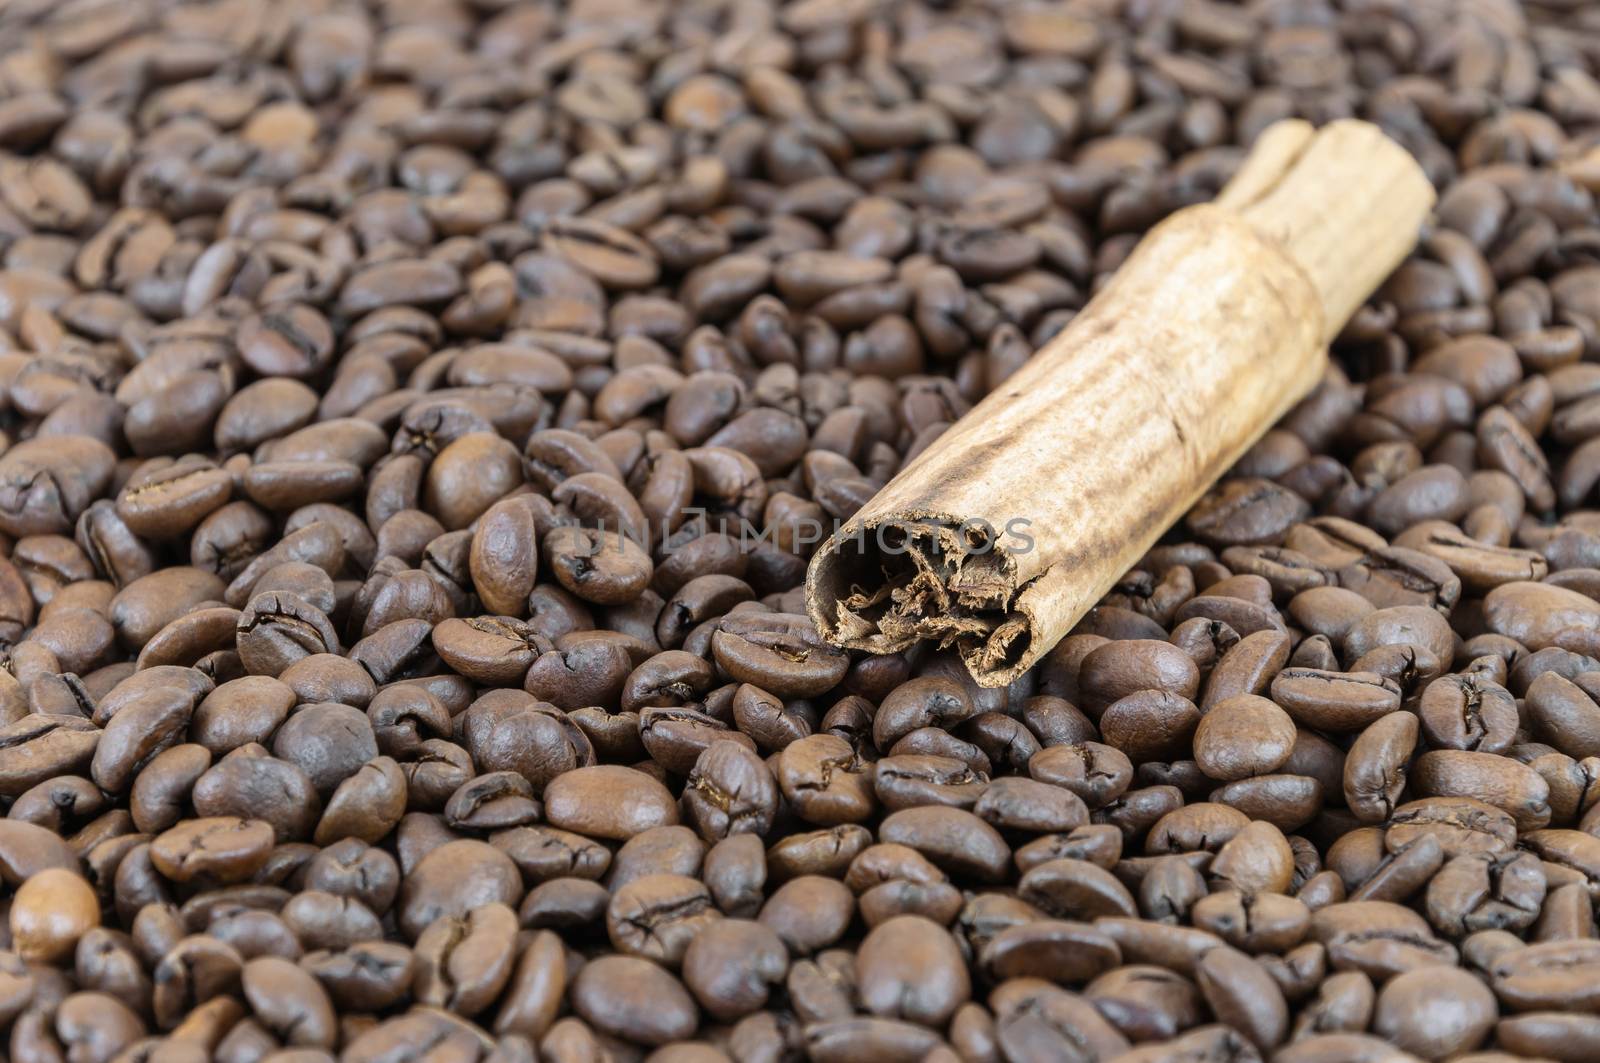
(599, 566)
(36, 749)
(732, 965)
(607, 801)
(910, 968)
(809, 912)
(669, 849)
(1375, 770)
(730, 791)
(656, 916)
(488, 649)
(1242, 994)
(633, 999)
(46, 484)
(452, 880)
(1468, 713)
(51, 912)
(463, 964)
(1435, 1012)
(787, 663)
(226, 849)
(1243, 736)
(1097, 773)
(911, 780)
(825, 781)
(1333, 701)
(278, 629)
(1499, 781)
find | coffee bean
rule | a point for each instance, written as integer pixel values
(454, 879)
(634, 999)
(35, 749)
(608, 802)
(732, 965)
(954, 839)
(825, 781)
(809, 912)
(1097, 773)
(1243, 736)
(1334, 701)
(464, 963)
(910, 968)
(730, 791)
(1499, 781)
(503, 559)
(1241, 993)
(656, 916)
(1375, 769)
(228, 849)
(52, 910)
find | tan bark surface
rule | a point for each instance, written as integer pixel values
(1214, 327)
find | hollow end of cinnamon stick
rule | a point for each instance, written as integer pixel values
(916, 576)
(999, 537)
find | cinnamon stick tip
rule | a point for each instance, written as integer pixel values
(885, 583)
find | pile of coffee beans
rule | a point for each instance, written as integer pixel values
(417, 416)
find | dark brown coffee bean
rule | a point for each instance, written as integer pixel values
(656, 916)
(809, 912)
(1243, 995)
(603, 567)
(732, 965)
(488, 649)
(825, 781)
(634, 999)
(633, 801)
(226, 849)
(453, 879)
(1243, 736)
(787, 664)
(1097, 773)
(36, 749)
(1334, 701)
(730, 791)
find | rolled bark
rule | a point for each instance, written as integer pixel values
(1017, 520)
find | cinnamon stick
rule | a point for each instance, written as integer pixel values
(999, 537)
